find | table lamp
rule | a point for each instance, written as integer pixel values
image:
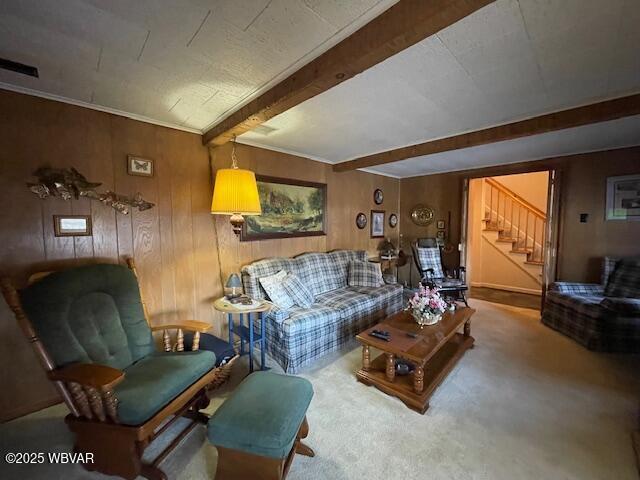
(387, 249)
(233, 282)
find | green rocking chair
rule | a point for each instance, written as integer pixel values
(89, 329)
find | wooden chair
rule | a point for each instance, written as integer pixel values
(427, 256)
(114, 415)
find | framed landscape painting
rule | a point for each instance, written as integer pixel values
(623, 198)
(290, 208)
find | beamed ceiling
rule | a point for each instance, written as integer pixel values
(509, 61)
(190, 64)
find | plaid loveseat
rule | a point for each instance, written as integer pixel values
(601, 323)
(298, 336)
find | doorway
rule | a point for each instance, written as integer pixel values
(506, 237)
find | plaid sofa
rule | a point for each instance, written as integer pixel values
(298, 336)
(583, 312)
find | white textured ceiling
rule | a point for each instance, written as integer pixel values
(511, 60)
(185, 63)
(624, 132)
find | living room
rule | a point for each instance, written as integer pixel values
(319, 158)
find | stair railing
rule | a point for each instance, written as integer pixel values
(515, 219)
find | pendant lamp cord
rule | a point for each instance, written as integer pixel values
(234, 160)
(215, 222)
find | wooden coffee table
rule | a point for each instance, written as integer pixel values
(433, 354)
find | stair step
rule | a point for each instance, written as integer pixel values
(507, 240)
(493, 229)
(521, 250)
(534, 262)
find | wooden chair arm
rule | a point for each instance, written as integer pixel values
(91, 388)
(190, 325)
(101, 377)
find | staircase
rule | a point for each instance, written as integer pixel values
(514, 227)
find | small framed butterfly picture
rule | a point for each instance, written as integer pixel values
(142, 167)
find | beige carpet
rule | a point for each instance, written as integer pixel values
(525, 403)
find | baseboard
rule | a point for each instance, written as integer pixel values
(507, 288)
(25, 410)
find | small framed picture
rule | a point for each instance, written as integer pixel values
(361, 220)
(440, 224)
(378, 196)
(441, 235)
(142, 167)
(377, 223)
(72, 225)
(393, 220)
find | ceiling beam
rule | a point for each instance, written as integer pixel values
(573, 117)
(404, 24)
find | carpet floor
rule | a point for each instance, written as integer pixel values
(525, 403)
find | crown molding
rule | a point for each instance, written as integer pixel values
(92, 106)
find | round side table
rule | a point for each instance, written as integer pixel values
(247, 333)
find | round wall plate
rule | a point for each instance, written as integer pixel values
(378, 196)
(422, 215)
(361, 220)
(393, 220)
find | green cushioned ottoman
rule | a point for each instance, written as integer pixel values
(259, 428)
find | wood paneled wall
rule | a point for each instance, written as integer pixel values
(441, 192)
(582, 245)
(175, 244)
(347, 194)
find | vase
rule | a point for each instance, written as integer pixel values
(426, 318)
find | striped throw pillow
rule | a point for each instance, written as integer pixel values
(625, 280)
(365, 274)
(298, 291)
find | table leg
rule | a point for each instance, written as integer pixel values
(262, 342)
(418, 379)
(391, 367)
(366, 357)
(250, 343)
(467, 328)
(230, 321)
(242, 341)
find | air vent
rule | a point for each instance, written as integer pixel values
(19, 67)
(263, 130)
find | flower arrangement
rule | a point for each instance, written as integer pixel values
(427, 306)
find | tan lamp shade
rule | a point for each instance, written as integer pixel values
(235, 193)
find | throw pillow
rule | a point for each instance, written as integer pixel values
(298, 291)
(625, 280)
(276, 292)
(365, 274)
(429, 257)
